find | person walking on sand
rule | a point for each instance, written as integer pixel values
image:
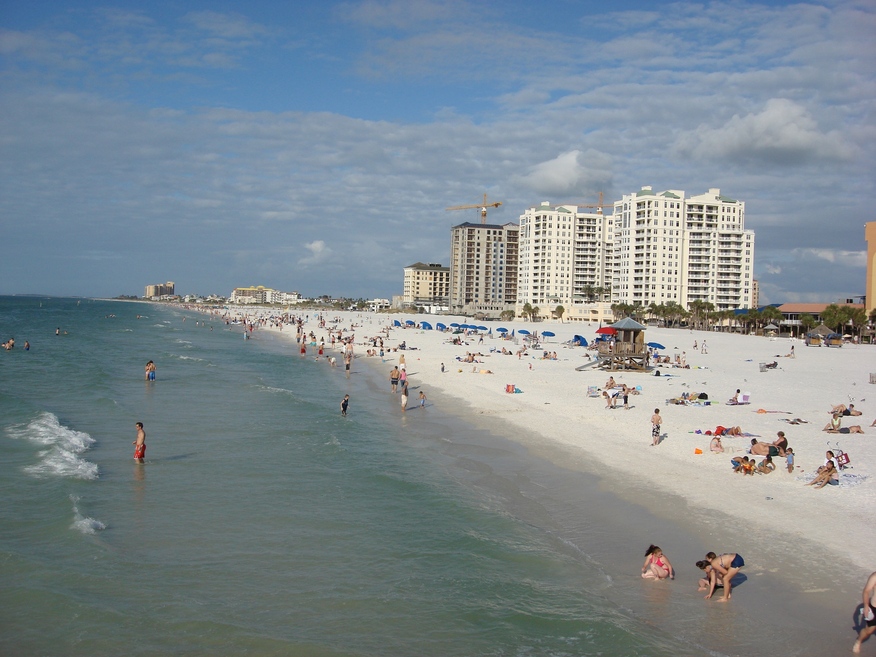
(656, 421)
(868, 613)
(345, 402)
(140, 444)
(703, 349)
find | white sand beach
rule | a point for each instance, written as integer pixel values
(553, 407)
(813, 540)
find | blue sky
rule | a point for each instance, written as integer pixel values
(313, 146)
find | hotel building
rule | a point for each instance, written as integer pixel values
(160, 290)
(669, 247)
(483, 268)
(427, 285)
(566, 259)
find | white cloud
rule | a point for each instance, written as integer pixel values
(847, 258)
(319, 252)
(784, 132)
(574, 172)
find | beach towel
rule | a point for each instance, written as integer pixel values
(763, 410)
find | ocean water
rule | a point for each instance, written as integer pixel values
(264, 523)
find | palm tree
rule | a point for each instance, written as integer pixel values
(559, 311)
(771, 314)
(535, 314)
(834, 316)
(589, 292)
(752, 317)
(857, 318)
(808, 322)
(526, 311)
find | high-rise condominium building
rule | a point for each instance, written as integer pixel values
(483, 268)
(566, 256)
(426, 285)
(669, 247)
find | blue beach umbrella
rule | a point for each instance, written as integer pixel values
(580, 340)
(655, 345)
(482, 328)
(501, 330)
(455, 324)
(441, 327)
(523, 332)
(548, 334)
(395, 322)
(410, 322)
(426, 325)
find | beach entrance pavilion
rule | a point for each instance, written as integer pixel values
(628, 350)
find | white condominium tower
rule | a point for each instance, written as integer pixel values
(565, 256)
(672, 248)
(483, 268)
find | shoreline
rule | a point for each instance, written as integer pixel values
(805, 542)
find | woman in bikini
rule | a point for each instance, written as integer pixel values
(656, 565)
(725, 566)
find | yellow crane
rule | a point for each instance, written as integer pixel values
(598, 206)
(483, 207)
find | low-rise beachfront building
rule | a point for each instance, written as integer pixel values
(426, 286)
(483, 268)
(263, 295)
(566, 259)
(670, 247)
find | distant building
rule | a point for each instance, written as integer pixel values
(870, 290)
(160, 290)
(755, 293)
(426, 285)
(483, 268)
(669, 247)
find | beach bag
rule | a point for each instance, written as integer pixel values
(842, 459)
(509, 388)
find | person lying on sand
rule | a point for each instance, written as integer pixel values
(763, 449)
(834, 426)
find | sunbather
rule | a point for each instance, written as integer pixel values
(828, 475)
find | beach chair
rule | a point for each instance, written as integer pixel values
(746, 398)
(592, 391)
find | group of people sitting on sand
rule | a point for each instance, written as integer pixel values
(837, 413)
(548, 355)
(827, 474)
(746, 465)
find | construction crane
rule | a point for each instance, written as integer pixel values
(598, 206)
(483, 207)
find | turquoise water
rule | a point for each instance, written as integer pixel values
(263, 522)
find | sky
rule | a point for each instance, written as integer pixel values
(314, 146)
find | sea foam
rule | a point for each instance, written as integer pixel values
(64, 447)
(84, 524)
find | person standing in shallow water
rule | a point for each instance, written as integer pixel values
(345, 402)
(150, 371)
(140, 444)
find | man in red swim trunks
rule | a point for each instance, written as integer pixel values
(140, 444)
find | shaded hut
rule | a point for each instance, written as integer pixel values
(821, 335)
(628, 350)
